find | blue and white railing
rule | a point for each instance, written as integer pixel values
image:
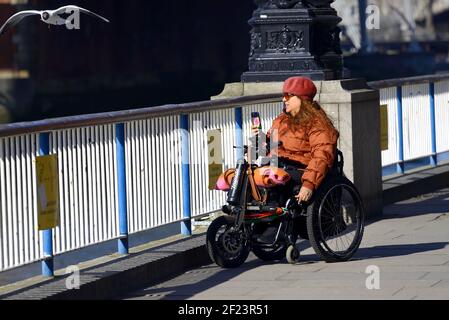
(125, 172)
(119, 173)
(418, 121)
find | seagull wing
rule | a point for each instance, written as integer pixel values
(65, 9)
(15, 19)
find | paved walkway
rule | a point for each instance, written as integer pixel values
(410, 246)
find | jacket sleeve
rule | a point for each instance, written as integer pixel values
(323, 144)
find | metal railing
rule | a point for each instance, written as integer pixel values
(418, 119)
(119, 173)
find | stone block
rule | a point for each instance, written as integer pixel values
(263, 88)
(230, 90)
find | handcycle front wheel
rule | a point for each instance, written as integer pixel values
(336, 220)
(226, 246)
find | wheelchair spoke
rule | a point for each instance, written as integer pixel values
(345, 237)
(334, 197)
(333, 203)
(337, 237)
(340, 237)
(344, 243)
(331, 209)
(328, 206)
(327, 214)
(341, 241)
(331, 227)
(327, 218)
(327, 228)
(335, 242)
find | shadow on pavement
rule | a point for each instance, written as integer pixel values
(192, 282)
(436, 202)
(195, 281)
(398, 250)
(87, 253)
(199, 280)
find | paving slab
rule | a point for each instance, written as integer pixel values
(411, 250)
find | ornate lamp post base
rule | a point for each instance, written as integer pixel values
(293, 37)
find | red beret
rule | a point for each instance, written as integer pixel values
(301, 87)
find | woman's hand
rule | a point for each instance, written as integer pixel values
(255, 130)
(304, 195)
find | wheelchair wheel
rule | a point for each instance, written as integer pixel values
(335, 220)
(226, 246)
(292, 255)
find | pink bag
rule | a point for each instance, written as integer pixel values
(265, 177)
(268, 177)
(225, 180)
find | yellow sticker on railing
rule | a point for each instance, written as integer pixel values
(384, 127)
(47, 192)
(215, 157)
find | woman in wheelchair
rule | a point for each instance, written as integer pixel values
(306, 139)
(306, 145)
(317, 203)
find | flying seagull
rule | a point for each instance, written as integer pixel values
(51, 17)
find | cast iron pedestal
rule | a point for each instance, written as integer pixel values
(293, 37)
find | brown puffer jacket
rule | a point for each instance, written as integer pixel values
(315, 147)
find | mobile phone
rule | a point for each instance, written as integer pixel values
(255, 119)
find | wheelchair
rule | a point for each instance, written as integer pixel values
(333, 221)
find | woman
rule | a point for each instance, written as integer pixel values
(306, 140)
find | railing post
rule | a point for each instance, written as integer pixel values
(239, 152)
(186, 225)
(123, 244)
(433, 157)
(47, 235)
(400, 165)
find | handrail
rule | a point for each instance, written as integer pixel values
(389, 83)
(131, 115)
(175, 109)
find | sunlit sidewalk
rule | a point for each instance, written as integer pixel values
(403, 256)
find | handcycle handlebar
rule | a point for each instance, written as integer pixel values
(246, 148)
